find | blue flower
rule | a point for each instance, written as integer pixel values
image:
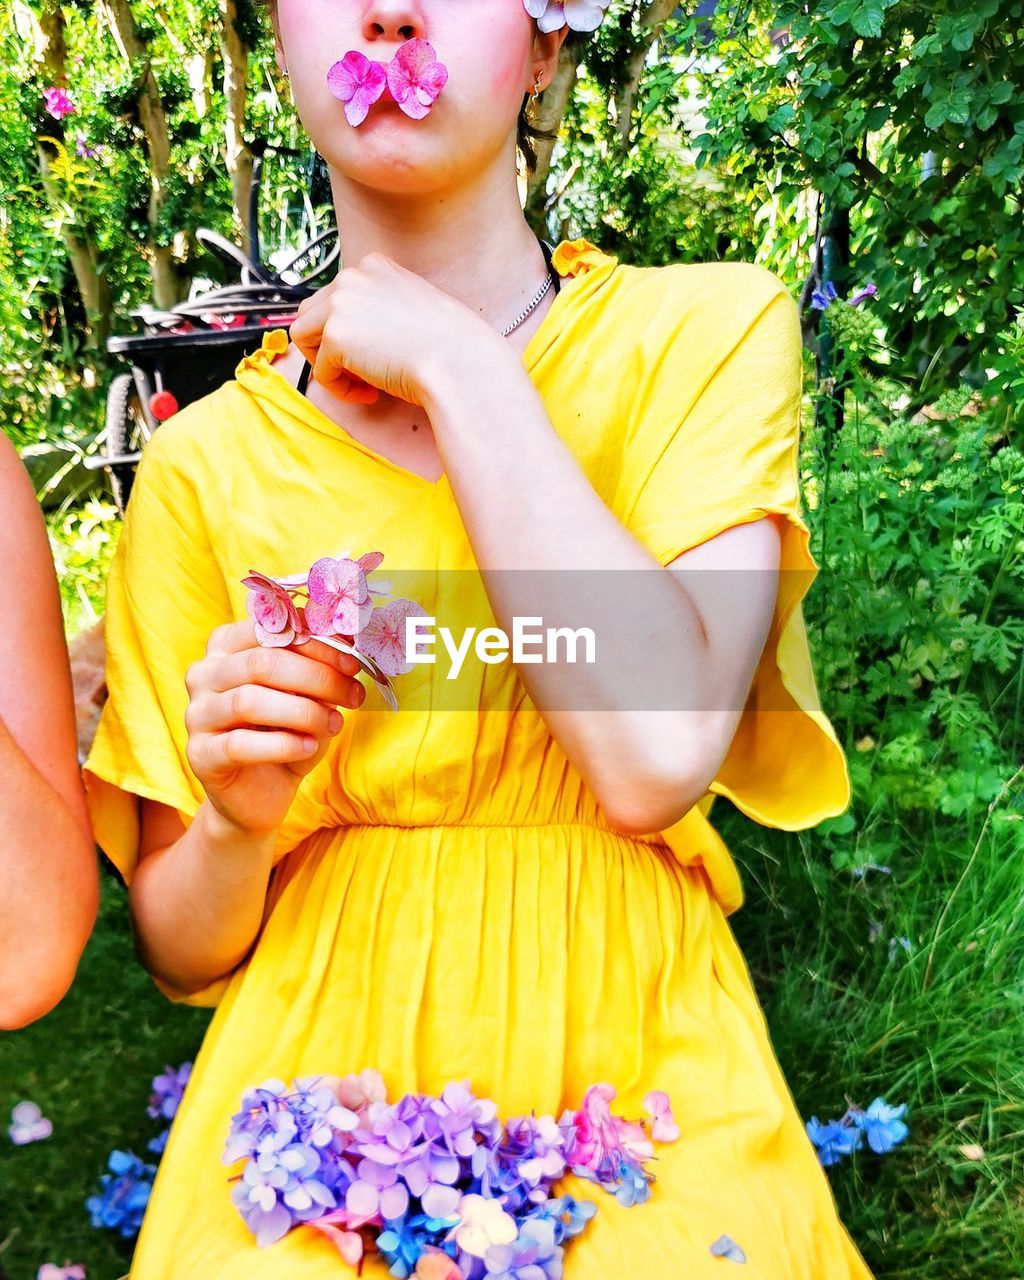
(124, 1194)
(882, 1125)
(634, 1187)
(569, 1216)
(533, 1255)
(401, 1242)
(833, 1140)
(157, 1144)
(822, 299)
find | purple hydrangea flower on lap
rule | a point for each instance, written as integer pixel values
(533, 1255)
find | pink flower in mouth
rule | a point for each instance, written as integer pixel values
(415, 77)
(358, 82)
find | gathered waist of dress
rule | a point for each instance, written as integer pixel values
(652, 838)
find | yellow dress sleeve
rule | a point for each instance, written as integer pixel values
(165, 594)
(730, 457)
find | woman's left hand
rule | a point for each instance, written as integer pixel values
(378, 325)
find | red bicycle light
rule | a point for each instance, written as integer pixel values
(162, 405)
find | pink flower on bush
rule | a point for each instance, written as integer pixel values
(74, 1271)
(415, 77)
(358, 82)
(58, 104)
(278, 622)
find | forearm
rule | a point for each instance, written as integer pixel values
(49, 886)
(198, 904)
(504, 458)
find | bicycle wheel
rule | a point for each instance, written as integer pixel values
(126, 435)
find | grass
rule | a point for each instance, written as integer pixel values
(852, 1016)
(88, 1065)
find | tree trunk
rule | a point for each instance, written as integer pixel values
(169, 284)
(651, 23)
(551, 107)
(237, 156)
(47, 29)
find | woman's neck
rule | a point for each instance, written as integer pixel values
(475, 245)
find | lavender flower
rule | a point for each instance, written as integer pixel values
(868, 291)
(533, 1255)
(449, 1186)
(168, 1090)
(28, 1124)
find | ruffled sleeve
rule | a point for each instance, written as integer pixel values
(165, 594)
(719, 447)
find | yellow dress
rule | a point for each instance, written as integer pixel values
(449, 902)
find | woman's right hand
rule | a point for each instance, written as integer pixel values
(259, 719)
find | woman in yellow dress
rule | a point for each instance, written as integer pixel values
(518, 887)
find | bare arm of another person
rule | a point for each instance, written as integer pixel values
(49, 881)
(258, 720)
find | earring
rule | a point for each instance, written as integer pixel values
(285, 72)
(536, 89)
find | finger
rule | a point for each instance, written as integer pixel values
(345, 662)
(253, 706)
(239, 748)
(307, 329)
(329, 369)
(282, 669)
(232, 637)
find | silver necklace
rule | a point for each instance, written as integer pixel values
(534, 303)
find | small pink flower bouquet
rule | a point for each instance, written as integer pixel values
(332, 603)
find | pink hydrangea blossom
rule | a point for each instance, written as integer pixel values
(383, 637)
(600, 1135)
(278, 621)
(663, 1127)
(339, 599)
(416, 77)
(358, 81)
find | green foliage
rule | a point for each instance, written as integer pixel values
(921, 542)
(83, 540)
(912, 118)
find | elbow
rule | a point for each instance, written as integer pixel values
(649, 804)
(40, 969)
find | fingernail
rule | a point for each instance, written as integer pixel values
(334, 721)
(357, 694)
